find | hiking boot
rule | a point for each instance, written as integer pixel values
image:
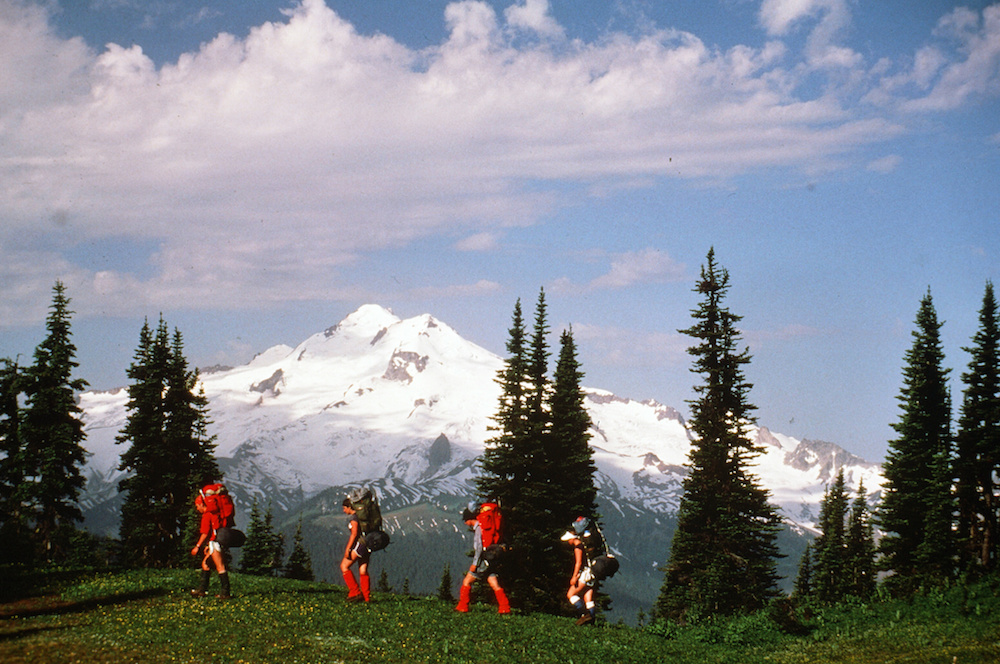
(356, 598)
(223, 596)
(585, 619)
(198, 593)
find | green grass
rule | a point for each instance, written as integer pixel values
(149, 616)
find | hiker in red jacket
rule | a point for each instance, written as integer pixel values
(485, 525)
(212, 550)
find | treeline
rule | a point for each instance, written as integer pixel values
(937, 518)
(168, 456)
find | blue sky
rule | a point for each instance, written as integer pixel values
(256, 171)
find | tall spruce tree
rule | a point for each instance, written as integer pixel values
(723, 553)
(570, 437)
(170, 454)
(860, 547)
(829, 550)
(52, 433)
(917, 505)
(977, 461)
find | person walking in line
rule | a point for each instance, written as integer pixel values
(485, 524)
(588, 544)
(355, 552)
(212, 551)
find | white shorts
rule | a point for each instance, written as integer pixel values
(214, 547)
(586, 577)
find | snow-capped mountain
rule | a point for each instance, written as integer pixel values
(407, 404)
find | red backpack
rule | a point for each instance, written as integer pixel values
(490, 523)
(217, 500)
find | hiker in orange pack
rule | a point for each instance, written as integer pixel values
(486, 523)
(211, 521)
(355, 552)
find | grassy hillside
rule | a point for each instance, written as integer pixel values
(148, 616)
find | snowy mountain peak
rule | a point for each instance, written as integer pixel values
(379, 399)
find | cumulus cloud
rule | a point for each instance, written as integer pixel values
(533, 15)
(268, 164)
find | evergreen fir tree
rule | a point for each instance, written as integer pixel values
(504, 461)
(860, 548)
(406, 586)
(52, 434)
(382, 585)
(258, 550)
(170, 454)
(917, 505)
(444, 589)
(804, 579)
(722, 557)
(829, 551)
(299, 564)
(570, 439)
(14, 533)
(977, 440)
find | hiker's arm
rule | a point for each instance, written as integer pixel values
(352, 539)
(197, 547)
(577, 564)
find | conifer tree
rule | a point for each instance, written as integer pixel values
(444, 588)
(170, 454)
(14, 543)
(860, 548)
(804, 579)
(917, 505)
(829, 550)
(504, 461)
(977, 440)
(52, 433)
(722, 557)
(539, 465)
(299, 564)
(259, 547)
(382, 585)
(570, 438)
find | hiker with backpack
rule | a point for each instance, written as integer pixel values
(592, 563)
(217, 513)
(366, 537)
(486, 524)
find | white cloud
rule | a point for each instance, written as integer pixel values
(533, 15)
(264, 166)
(627, 269)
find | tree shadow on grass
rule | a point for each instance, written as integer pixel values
(54, 605)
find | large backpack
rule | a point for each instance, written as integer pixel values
(490, 524)
(218, 500)
(366, 508)
(603, 565)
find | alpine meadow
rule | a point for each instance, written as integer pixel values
(468, 331)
